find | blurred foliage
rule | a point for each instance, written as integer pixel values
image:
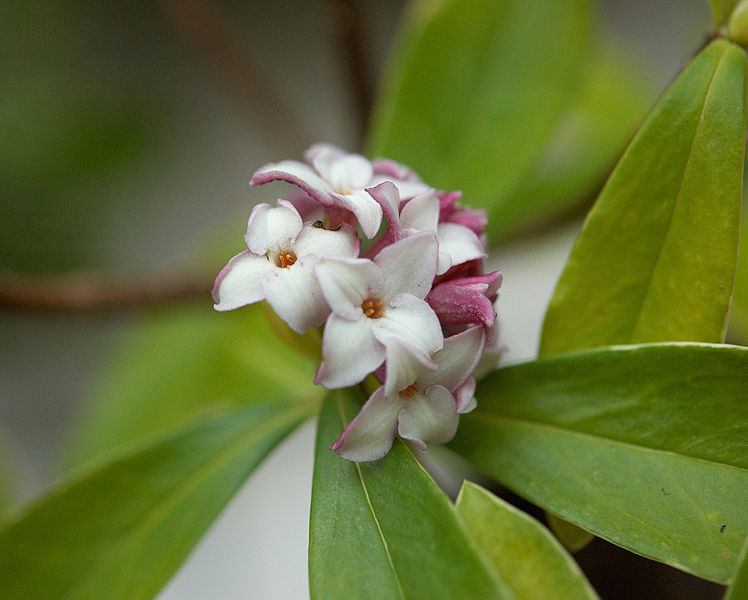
(588, 138)
(179, 365)
(122, 528)
(526, 126)
(64, 125)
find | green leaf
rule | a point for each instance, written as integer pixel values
(475, 89)
(527, 557)
(645, 446)
(121, 529)
(184, 363)
(384, 529)
(739, 317)
(587, 140)
(656, 258)
(721, 10)
(572, 537)
(738, 589)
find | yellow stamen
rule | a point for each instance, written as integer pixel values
(286, 259)
(372, 308)
(410, 390)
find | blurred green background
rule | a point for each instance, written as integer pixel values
(128, 132)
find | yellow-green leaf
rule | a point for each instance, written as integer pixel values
(655, 260)
(525, 554)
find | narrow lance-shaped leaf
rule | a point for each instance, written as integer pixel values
(384, 529)
(656, 258)
(525, 554)
(121, 529)
(645, 446)
(475, 89)
(186, 363)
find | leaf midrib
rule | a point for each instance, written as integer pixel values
(656, 264)
(161, 507)
(580, 434)
(385, 545)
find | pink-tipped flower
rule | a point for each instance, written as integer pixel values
(425, 412)
(466, 300)
(450, 211)
(278, 265)
(457, 244)
(378, 313)
(338, 180)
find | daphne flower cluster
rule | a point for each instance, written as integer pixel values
(414, 308)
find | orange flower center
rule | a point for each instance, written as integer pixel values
(372, 308)
(286, 259)
(409, 391)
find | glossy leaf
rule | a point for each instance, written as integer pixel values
(642, 445)
(122, 528)
(384, 529)
(184, 363)
(656, 258)
(739, 585)
(475, 88)
(527, 557)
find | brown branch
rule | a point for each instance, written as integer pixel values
(200, 22)
(347, 18)
(90, 293)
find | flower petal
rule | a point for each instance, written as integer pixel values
(343, 171)
(429, 418)
(457, 360)
(388, 198)
(346, 283)
(349, 352)
(409, 265)
(405, 361)
(412, 319)
(297, 173)
(240, 282)
(370, 435)
(460, 243)
(363, 206)
(296, 296)
(272, 228)
(327, 242)
(406, 188)
(394, 171)
(421, 213)
(465, 396)
(458, 304)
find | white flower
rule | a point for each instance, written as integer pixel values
(457, 244)
(278, 265)
(378, 313)
(425, 412)
(337, 179)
